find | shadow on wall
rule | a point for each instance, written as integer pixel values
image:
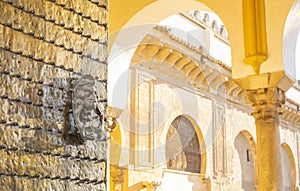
(246, 160)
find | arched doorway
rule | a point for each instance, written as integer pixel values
(182, 146)
(185, 156)
(245, 146)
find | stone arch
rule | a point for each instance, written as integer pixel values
(143, 19)
(128, 35)
(291, 34)
(184, 132)
(289, 170)
(136, 22)
(246, 148)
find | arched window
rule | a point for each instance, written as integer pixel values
(182, 146)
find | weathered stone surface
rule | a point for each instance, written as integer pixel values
(44, 45)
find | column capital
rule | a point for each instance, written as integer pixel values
(117, 174)
(266, 103)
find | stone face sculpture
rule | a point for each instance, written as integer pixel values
(88, 120)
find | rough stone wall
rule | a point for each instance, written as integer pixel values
(44, 45)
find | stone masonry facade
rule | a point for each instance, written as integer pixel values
(44, 46)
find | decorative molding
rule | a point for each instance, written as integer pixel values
(266, 103)
(194, 71)
(197, 69)
(203, 20)
(198, 50)
(289, 116)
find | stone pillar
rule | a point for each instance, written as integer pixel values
(117, 176)
(266, 103)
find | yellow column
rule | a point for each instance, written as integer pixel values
(117, 177)
(266, 103)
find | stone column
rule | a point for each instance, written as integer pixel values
(266, 103)
(117, 176)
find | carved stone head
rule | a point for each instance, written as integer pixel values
(87, 117)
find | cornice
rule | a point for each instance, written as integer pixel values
(214, 74)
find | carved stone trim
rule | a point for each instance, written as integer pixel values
(219, 140)
(266, 103)
(290, 117)
(117, 175)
